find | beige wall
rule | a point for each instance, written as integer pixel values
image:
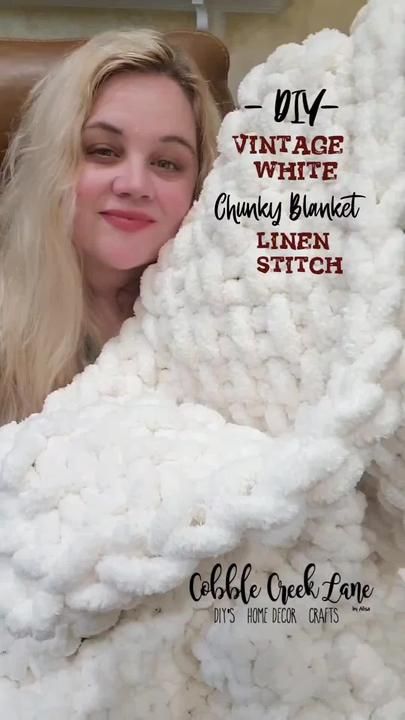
(250, 37)
(46, 23)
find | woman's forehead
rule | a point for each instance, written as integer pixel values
(152, 101)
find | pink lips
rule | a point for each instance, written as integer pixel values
(127, 221)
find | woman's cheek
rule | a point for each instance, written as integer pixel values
(178, 199)
(87, 200)
(91, 184)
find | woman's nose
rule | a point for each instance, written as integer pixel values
(134, 179)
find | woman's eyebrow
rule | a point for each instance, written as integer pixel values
(103, 126)
(178, 139)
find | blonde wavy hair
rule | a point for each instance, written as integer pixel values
(48, 327)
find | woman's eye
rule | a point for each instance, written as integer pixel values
(167, 164)
(103, 152)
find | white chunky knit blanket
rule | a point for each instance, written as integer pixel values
(232, 421)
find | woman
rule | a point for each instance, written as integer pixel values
(112, 150)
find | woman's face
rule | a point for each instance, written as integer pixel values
(138, 171)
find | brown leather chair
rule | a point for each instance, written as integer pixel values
(23, 62)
